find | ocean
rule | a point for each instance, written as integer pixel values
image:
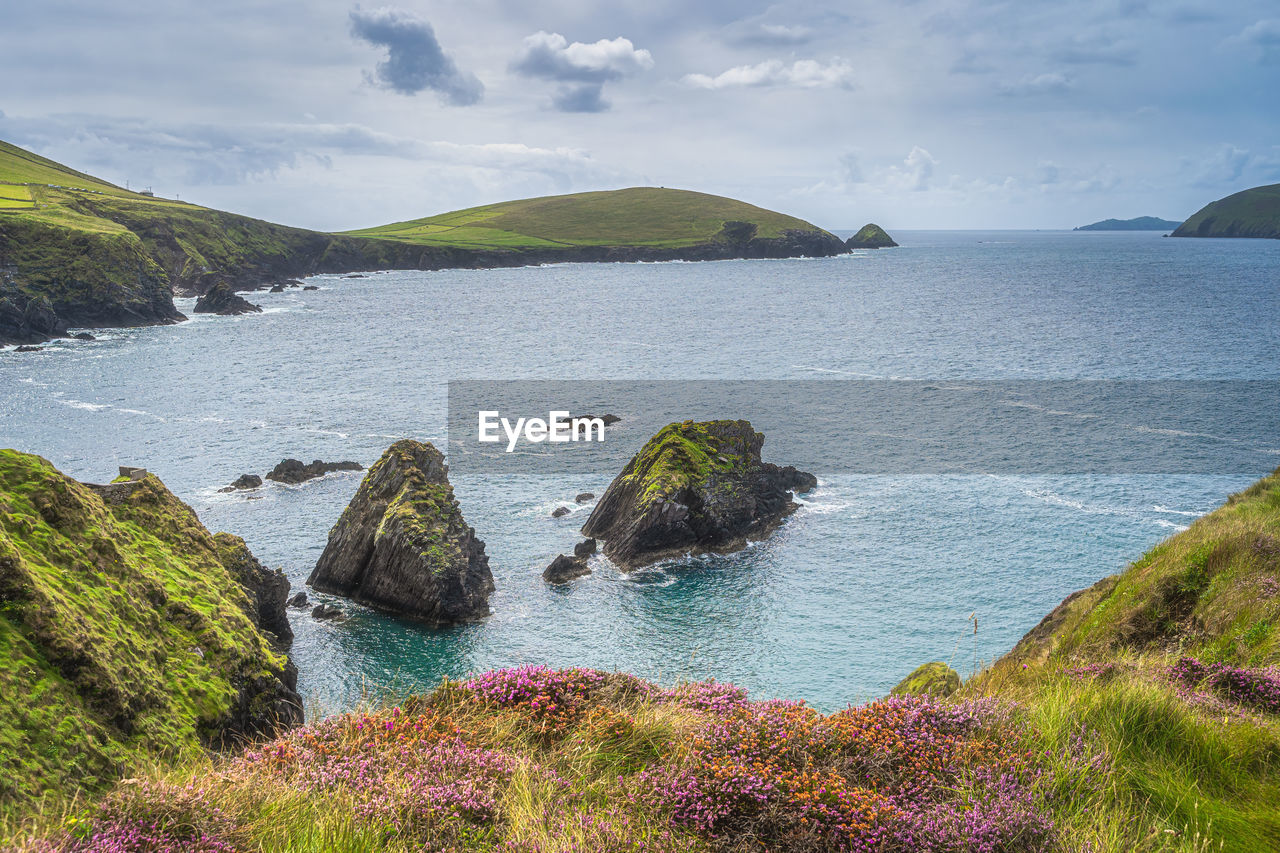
(874, 575)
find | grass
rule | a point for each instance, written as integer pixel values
(122, 636)
(1250, 213)
(639, 216)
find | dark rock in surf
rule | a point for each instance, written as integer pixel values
(276, 288)
(243, 482)
(564, 569)
(299, 601)
(293, 471)
(560, 512)
(585, 548)
(402, 544)
(221, 299)
(584, 497)
(325, 612)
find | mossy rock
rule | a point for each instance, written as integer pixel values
(403, 546)
(930, 679)
(694, 487)
(870, 236)
(123, 636)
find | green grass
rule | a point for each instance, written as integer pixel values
(639, 216)
(1251, 213)
(103, 606)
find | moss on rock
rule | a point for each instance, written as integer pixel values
(930, 679)
(123, 636)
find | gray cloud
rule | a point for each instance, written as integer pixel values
(1264, 37)
(582, 68)
(415, 61)
(1049, 83)
(580, 98)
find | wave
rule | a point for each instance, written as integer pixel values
(1187, 513)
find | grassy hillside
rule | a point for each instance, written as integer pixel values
(1170, 671)
(1143, 715)
(1251, 213)
(123, 636)
(639, 216)
(79, 251)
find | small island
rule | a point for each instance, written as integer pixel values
(1138, 223)
(870, 236)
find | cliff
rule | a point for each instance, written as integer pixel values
(1250, 213)
(128, 633)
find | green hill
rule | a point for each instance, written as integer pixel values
(1250, 213)
(640, 216)
(1141, 223)
(77, 251)
(127, 633)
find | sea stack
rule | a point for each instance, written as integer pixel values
(402, 545)
(694, 487)
(870, 236)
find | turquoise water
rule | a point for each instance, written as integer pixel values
(875, 575)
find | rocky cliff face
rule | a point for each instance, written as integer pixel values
(693, 487)
(402, 544)
(123, 635)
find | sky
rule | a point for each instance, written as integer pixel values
(331, 114)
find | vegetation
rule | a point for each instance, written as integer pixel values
(1142, 715)
(1250, 213)
(123, 638)
(688, 456)
(1140, 223)
(871, 236)
(639, 216)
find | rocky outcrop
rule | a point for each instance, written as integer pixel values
(560, 512)
(565, 568)
(930, 679)
(870, 236)
(131, 632)
(267, 591)
(694, 487)
(243, 482)
(583, 497)
(294, 471)
(585, 548)
(402, 544)
(221, 299)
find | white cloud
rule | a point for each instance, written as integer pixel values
(1049, 83)
(581, 69)
(803, 74)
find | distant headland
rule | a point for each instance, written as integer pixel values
(1139, 223)
(1249, 213)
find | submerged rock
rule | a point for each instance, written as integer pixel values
(564, 569)
(83, 336)
(27, 348)
(221, 299)
(930, 679)
(870, 236)
(294, 471)
(327, 611)
(310, 287)
(694, 487)
(402, 544)
(244, 481)
(560, 512)
(276, 288)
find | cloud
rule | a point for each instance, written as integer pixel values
(415, 61)
(1264, 37)
(803, 74)
(581, 69)
(1096, 50)
(1050, 83)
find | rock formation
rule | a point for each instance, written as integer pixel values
(402, 544)
(244, 481)
(221, 299)
(131, 631)
(565, 568)
(294, 471)
(930, 679)
(694, 487)
(870, 236)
